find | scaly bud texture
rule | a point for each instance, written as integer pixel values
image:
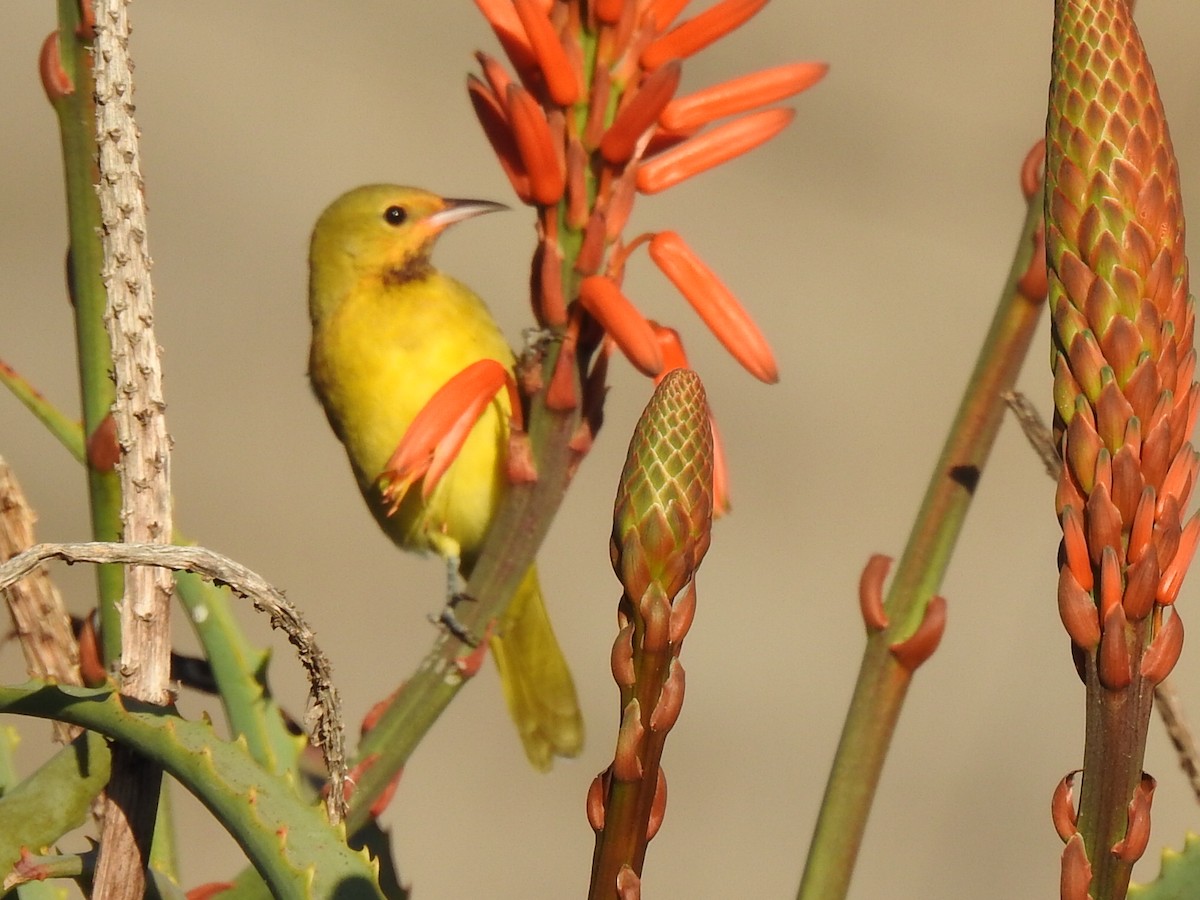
(1125, 404)
(661, 526)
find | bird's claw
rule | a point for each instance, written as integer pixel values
(448, 620)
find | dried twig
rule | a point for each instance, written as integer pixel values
(40, 619)
(1166, 698)
(145, 670)
(325, 710)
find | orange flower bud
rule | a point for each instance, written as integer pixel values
(595, 803)
(608, 11)
(547, 180)
(562, 82)
(710, 149)
(497, 76)
(1076, 872)
(1077, 611)
(494, 121)
(674, 357)
(740, 95)
(640, 113)
(1075, 547)
(658, 811)
(1113, 663)
(1062, 807)
(870, 592)
(664, 12)
(1162, 654)
(913, 651)
(696, 34)
(1172, 576)
(1033, 168)
(627, 763)
(433, 440)
(502, 16)
(627, 327)
(547, 285)
(715, 304)
(55, 80)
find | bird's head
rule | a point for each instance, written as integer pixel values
(385, 231)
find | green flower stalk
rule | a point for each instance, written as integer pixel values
(1125, 405)
(660, 534)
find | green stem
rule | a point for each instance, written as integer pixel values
(512, 543)
(76, 119)
(883, 682)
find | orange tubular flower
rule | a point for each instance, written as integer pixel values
(561, 81)
(715, 304)
(741, 95)
(710, 149)
(590, 123)
(600, 296)
(547, 180)
(640, 113)
(436, 435)
(696, 34)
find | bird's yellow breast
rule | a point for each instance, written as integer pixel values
(377, 358)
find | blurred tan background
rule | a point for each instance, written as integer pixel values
(870, 241)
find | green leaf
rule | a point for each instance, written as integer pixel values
(1179, 875)
(291, 843)
(54, 799)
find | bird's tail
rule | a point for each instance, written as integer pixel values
(537, 683)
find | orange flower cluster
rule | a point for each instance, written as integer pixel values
(590, 121)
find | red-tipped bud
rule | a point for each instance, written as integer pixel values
(1137, 830)
(870, 592)
(661, 13)
(439, 430)
(1077, 611)
(547, 177)
(624, 673)
(608, 11)
(1075, 547)
(1162, 654)
(683, 612)
(1033, 168)
(1076, 871)
(562, 82)
(1113, 663)
(595, 803)
(911, 653)
(103, 450)
(741, 95)
(91, 663)
(494, 120)
(627, 763)
(715, 304)
(640, 113)
(670, 700)
(658, 806)
(1172, 576)
(696, 34)
(701, 153)
(502, 16)
(623, 323)
(55, 80)
(1062, 807)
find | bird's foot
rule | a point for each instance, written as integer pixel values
(448, 620)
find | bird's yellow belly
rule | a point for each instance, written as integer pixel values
(377, 364)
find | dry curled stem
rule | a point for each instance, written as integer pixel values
(325, 706)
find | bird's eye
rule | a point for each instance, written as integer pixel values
(395, 215)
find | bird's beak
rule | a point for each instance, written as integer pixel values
(457, 210)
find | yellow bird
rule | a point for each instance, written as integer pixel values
(389, 330)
